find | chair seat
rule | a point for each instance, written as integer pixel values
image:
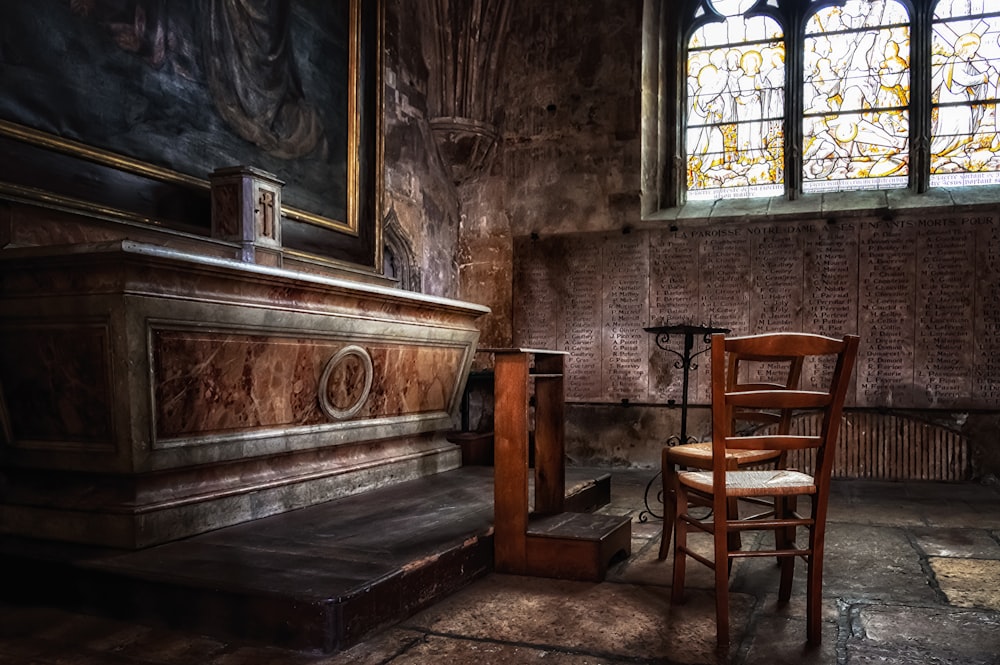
(771, 482)
(699, 455)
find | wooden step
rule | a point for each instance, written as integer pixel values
(576, 546)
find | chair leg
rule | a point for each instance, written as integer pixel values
(720, 537)
(784, 539)
(814, 596)
(680, 541)
(669, 474)
(733, 538)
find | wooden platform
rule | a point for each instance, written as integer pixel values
(317, 579)
(576, 546)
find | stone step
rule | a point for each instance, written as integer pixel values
(317, 579)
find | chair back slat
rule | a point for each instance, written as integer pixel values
(773, 442)
(779, 399)
(775, 346)
(746, 387)
(739, 379)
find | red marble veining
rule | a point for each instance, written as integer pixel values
(215, 382)
(156, 393)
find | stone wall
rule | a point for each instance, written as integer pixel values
(568, 116)
(569, 165)
(921, 292)
(418, 187)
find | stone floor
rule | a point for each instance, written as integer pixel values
(912, 576)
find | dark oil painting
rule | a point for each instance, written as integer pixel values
(191, 85)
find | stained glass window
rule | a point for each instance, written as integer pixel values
(735, 112)
(965, 73)
(873, 105)
(856, 95)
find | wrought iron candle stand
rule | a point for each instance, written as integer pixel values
(685, 363)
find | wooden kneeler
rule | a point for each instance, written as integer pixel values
(546, 541)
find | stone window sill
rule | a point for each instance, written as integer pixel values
(879, 203)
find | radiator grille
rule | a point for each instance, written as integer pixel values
(888, 447)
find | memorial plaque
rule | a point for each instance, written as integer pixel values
(581, 336)
(986, 358)
(776, 295)
(943, 334)
(673, 300)
(776, 287)
(626, 311)
(886, 296)
(724, 279)
(536, 306)
(923, 294)
(829, 302)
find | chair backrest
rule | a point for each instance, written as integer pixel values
(734, 399)
(746, 373)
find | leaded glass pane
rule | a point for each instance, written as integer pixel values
(965, 60)
(856, 97)
(732, 8)
(735, 106)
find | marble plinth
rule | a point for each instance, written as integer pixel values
(152, 394)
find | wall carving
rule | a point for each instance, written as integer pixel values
(398, 257)
(460, 100)
(923, 293)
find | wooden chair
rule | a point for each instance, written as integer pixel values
(699, 455)
(718, 487)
